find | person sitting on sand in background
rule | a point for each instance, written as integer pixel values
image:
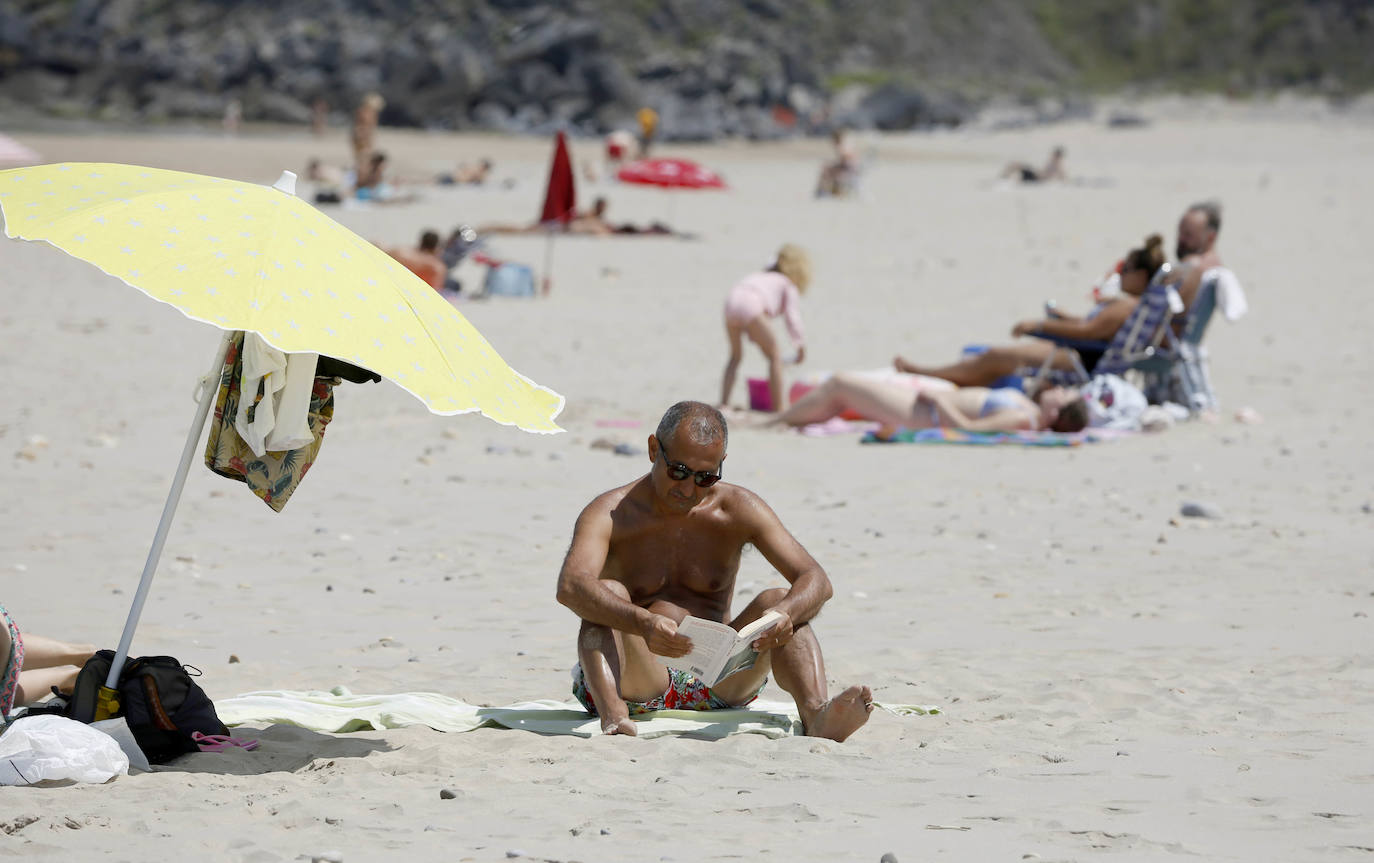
(667, 545)
(1100, 324)
(373, 185)
(914, 403)
(838, 175)
(31, 665)
(424, 260)
(757, 297)
(370, 182)
(1053, 170)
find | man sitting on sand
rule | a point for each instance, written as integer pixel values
(424, 260)
(646, 555)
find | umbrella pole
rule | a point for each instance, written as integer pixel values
(107, 704)
(548, 262)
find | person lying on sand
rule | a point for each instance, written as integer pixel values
(648, 554)
(466, 174)
(1053, 170)
(1100, 324)
(910, 404)
(592, 223)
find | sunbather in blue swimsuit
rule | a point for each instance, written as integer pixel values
(1000, 399)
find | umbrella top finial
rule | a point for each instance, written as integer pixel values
(286, 183)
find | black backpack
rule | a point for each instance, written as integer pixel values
(158, 699)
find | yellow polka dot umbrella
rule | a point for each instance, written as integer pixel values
(248, 257)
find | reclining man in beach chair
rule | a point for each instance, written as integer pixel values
(648, 554)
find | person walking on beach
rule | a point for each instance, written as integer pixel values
(754, 299)
(648, 554)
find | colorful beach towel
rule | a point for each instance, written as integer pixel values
(1020, 438)
(339, 710)
(9, 682)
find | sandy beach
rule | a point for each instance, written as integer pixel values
(1115, 680)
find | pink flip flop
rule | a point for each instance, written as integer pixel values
(221, 742)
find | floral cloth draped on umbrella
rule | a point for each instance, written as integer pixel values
(272, 476)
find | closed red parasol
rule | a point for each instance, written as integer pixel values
(560, 200)
(670, 173)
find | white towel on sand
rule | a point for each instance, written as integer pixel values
(339, 710)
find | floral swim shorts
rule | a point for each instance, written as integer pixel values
(10, 663)
(684, 692)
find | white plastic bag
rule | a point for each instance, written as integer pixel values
(39, 748)
(118, 728)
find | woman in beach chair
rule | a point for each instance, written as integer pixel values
(31, 665)
(913, 403)
(1099, 325)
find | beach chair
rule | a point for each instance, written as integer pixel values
(1178, 372)
(1141, 338)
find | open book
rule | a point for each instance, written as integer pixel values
(717, 650)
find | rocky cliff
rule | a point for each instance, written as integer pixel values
(710, 67)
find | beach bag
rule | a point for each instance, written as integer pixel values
(509, 280)
(159, 701)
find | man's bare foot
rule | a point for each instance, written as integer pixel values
(902, 365)
(842, 715)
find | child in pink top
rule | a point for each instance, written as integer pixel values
(757, 297)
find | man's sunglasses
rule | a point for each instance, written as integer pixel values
(677, 471)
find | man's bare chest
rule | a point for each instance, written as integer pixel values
(672, 562)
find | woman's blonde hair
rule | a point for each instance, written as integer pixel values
(794, 263)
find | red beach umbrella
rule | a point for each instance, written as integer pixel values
(670, 173)
(560, 202)
(560, 199)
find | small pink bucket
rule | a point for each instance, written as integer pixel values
(760, 397)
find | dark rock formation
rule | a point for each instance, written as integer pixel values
(756, 68)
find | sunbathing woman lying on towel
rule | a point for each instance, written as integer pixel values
(914, 404)
(1100, 324)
